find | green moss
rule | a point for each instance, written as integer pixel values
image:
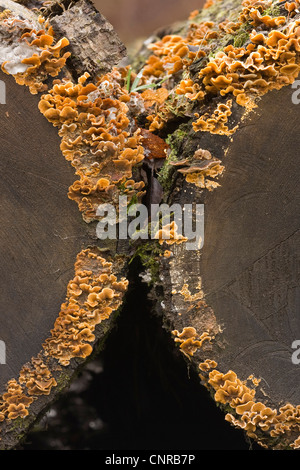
(273, 11)
(241, 39)
(133, 201)
(18, 424)
(174, 141)
(149, 254)
(62, 381)
(237, 39)
(219, 11)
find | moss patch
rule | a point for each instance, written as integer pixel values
(174, 141)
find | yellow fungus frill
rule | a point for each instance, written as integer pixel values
(92, 295)
(169, 234)
(201, 169)
(190, 341)
(269, 60)
(99, 138)
(35, 379)
(32, 51)
(215, 123)
(260, 53)
(251, 415)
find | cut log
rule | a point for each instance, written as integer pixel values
(42, 235)
(209, 120)
(248, 267)
(42, 232)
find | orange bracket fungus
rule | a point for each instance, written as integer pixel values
(200, 168)
(176, 127)
(30, 52)
(99, 138)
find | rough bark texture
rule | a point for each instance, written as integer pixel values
(234, 302)
(94, 45)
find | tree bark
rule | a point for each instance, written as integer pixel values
(231, 304)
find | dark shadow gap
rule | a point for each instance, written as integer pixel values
(137, 395)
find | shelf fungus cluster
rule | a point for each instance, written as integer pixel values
(92, 296)
(211, 70)
(217, 122)
(238, 397)
(99, 138)
(190, 341)
(259, 52)
(29, 50)
(35, 379)
(201, 169)
(169, 234)
(259, 421)
(268, 60)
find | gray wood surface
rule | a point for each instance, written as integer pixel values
(41, 229)
(249, 263)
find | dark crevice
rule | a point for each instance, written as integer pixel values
(138, 394)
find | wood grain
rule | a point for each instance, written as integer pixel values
(41, 229)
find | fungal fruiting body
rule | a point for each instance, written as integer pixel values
(217, 122)
(253, 416)
(260, 53)
(93, 295)
(230, 64)
(102, 142)
(190, 341)
(238, 397)
(169, 234)
(29, 50)
(201, 169)
(99, 138)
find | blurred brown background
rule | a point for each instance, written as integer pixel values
(135, 19)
